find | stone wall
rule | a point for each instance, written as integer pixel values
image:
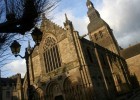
(11, 88)
(134, 65)
(36, 66)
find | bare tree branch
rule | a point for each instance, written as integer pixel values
(23, 15)
(19, 16)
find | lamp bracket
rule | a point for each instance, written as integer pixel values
(19, 56)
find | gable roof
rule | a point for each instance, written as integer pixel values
(130, 51)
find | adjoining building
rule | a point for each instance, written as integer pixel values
(11, 88)
(132, 57)
(66, 66)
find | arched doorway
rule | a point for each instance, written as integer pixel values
(54, 91)
(37, 93)
(72, 90)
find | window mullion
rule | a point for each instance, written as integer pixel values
(45, 60)
(54, 57)
(57, 57)
(48, 60)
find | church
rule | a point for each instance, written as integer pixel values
(66, 66)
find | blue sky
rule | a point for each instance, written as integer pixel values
(121, 15)
(78, 7)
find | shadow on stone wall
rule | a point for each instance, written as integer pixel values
(134, 81)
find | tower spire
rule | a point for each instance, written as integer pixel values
(66, 19)
(89, 4)
(99, 28)
(68, 22)
(92, 12)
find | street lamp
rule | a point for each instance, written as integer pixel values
(15, 48)
(36, 35)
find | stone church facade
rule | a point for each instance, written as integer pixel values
(66, 66)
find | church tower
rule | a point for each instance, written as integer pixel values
(99, 31)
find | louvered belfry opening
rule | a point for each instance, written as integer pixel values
(51, 55)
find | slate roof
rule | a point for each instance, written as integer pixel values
(131, 51)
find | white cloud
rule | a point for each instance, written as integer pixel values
(123, 17)
(17, 66)
(79, 23)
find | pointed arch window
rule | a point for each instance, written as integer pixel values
(51, 55)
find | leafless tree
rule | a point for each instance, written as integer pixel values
(19, 17)
(22, 15)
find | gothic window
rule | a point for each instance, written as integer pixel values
(51, 54)
(89, 55)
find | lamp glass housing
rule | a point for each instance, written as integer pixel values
(37, 35)
(15, 47)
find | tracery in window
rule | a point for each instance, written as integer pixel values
(51, 54)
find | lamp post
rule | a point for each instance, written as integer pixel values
(15, 48)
